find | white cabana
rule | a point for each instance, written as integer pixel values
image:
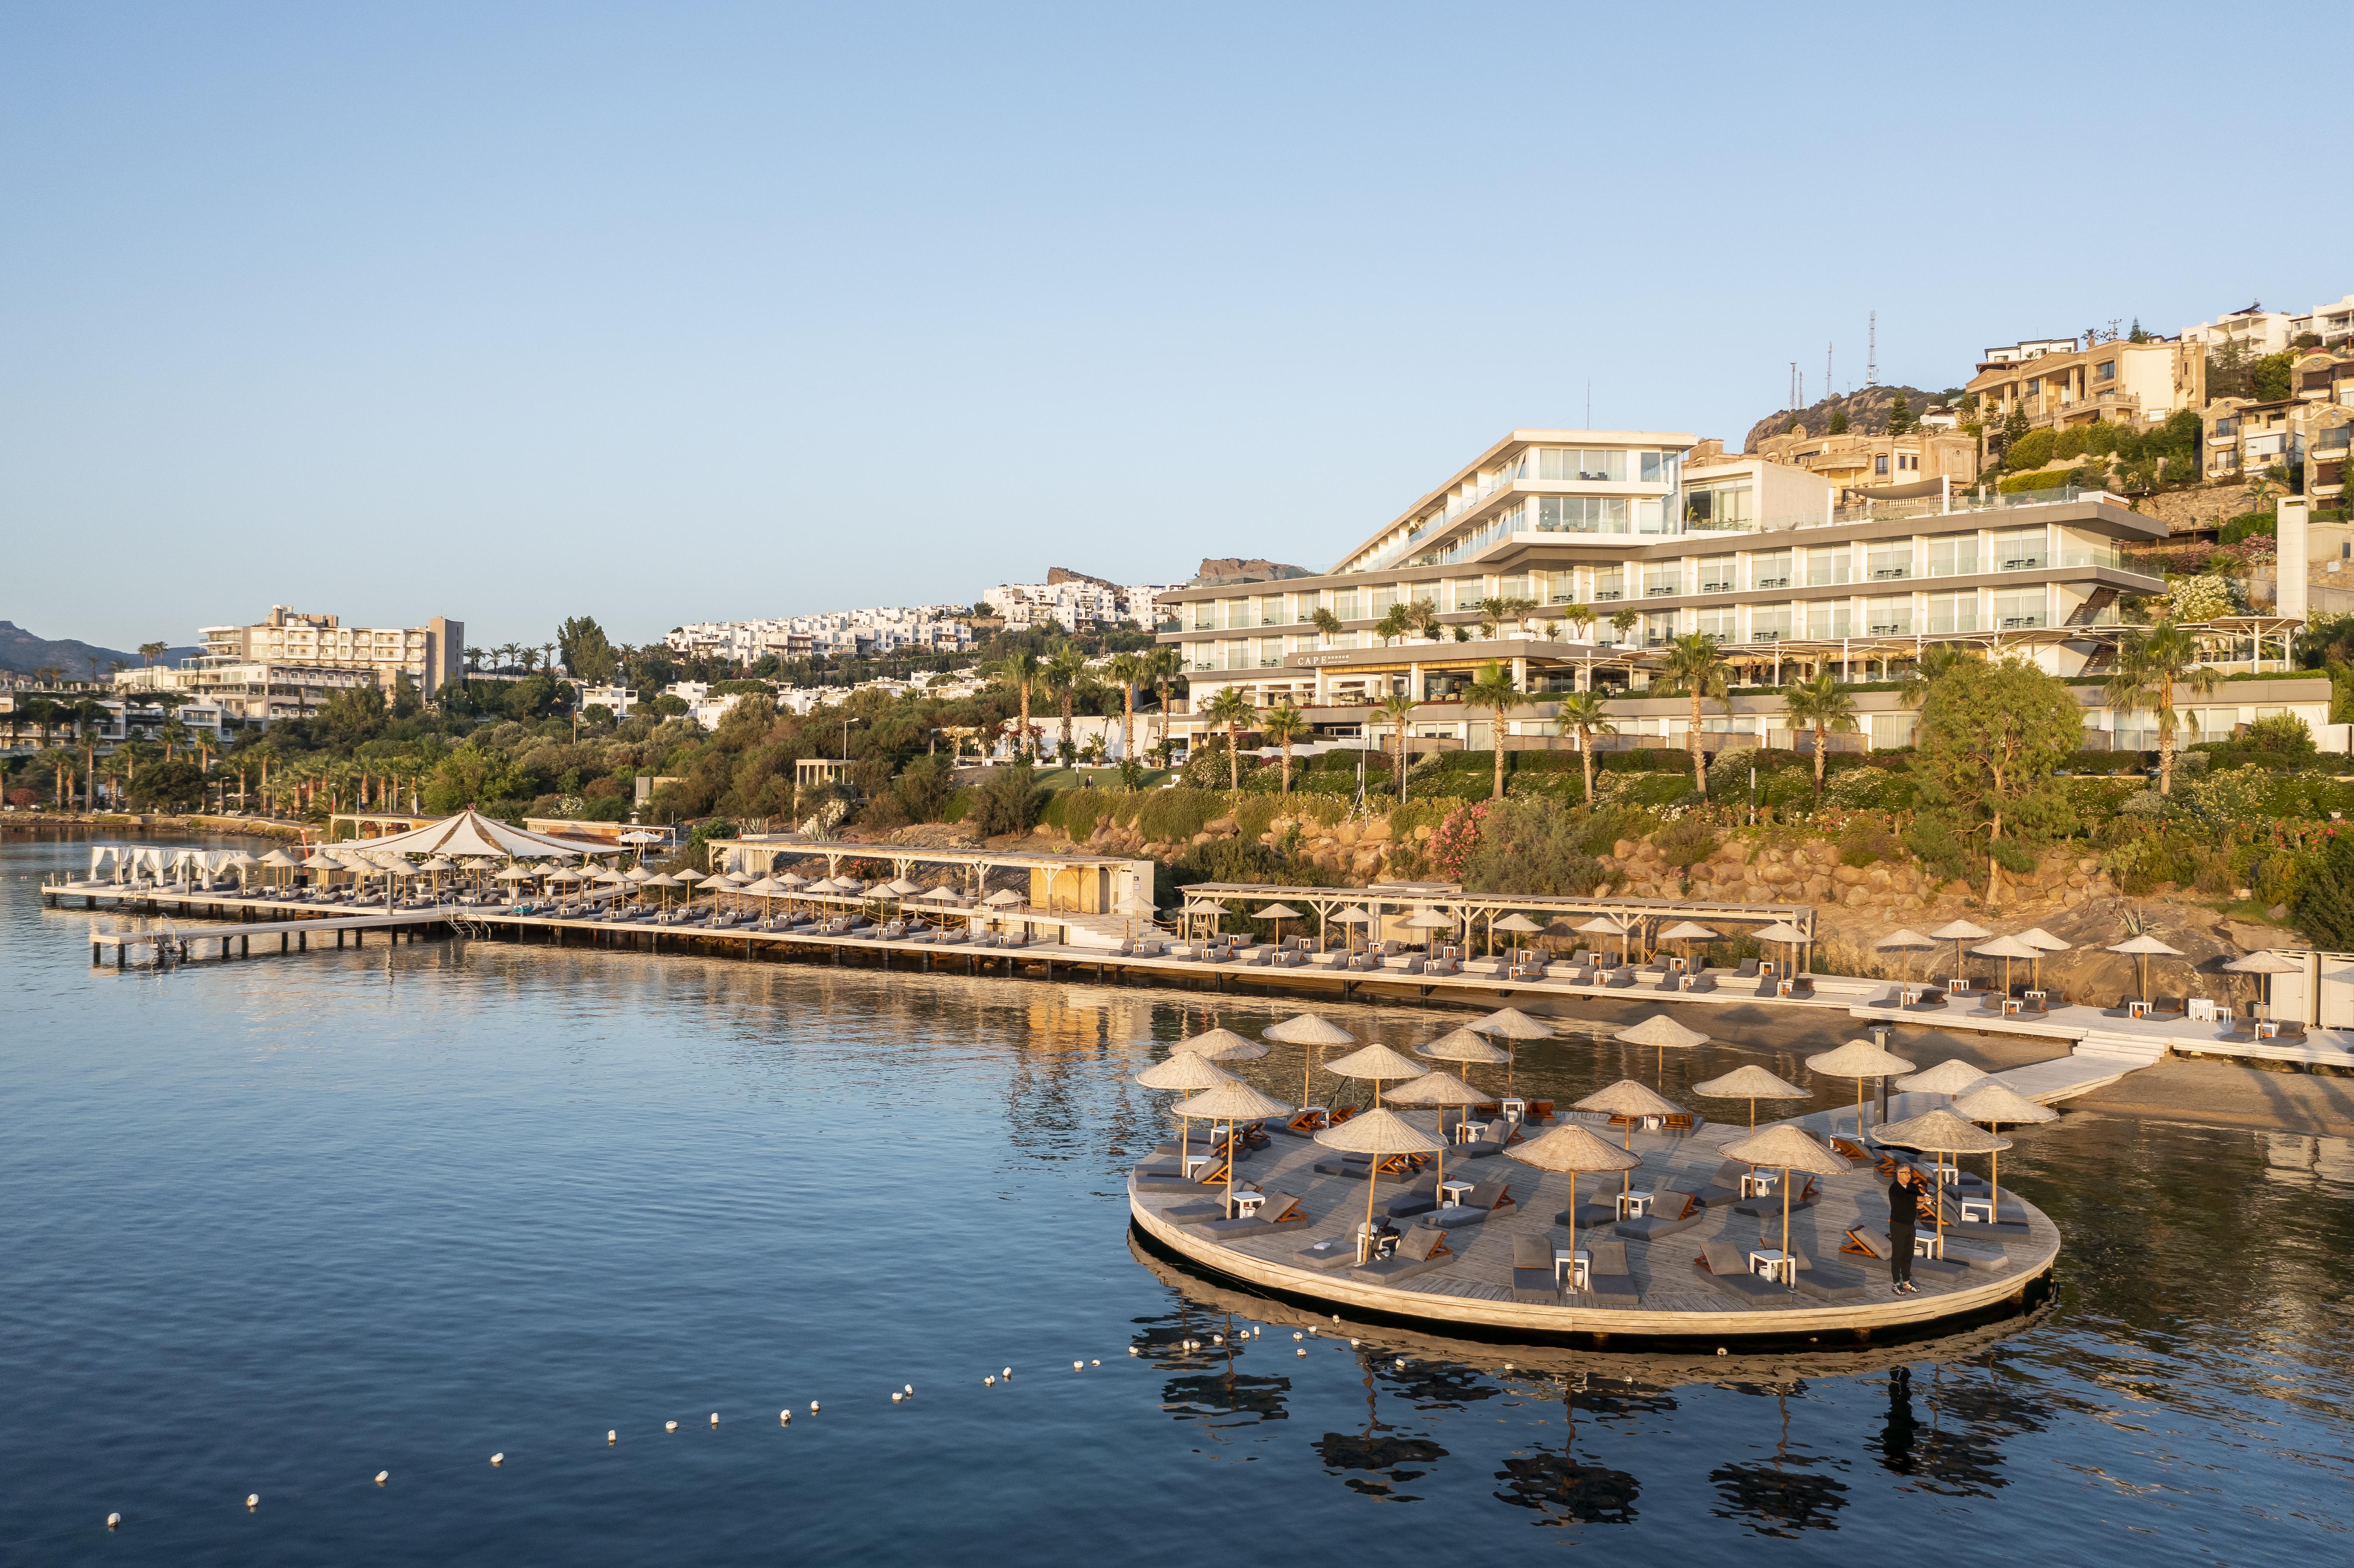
(471, 834)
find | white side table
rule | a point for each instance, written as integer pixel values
(1979, 1209)
(1577, 1267)
(1247, 1204)
(1927, 1243)
(1775, 1264)
(1759, 1183)
(1452, 1194)
(1633, 1205)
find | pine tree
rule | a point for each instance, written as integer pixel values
(1901, 422)
(1838, 423)
(2137, 335)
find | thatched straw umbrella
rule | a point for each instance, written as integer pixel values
(1858, 1059)
(2042, 941)
(1574, 1150)
(2265, 965)
(1791, 1150)
(1997, 1102)
(1941, 1132)
(1188, 1074)
(1307, 1030)
(1660, 1032)
(1511, 1024)
(1907, 941)
(1517, 924)
(2006, 949)
(1949, 1077)
(1377, 1063)
(1221, 1045)
(1440, 1089)
(1603, 926)
(1687, 931)
(1958, 932)
(1751, 1083)
(2142, 947)
(1379, 1134)
(1462, 1045)
(1628, 1099)
(1230, 1102)
(1277, 914)
(1788, 935)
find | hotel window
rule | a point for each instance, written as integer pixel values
(1237, 613)
(2020, 550)
(1719, 623)
(1270, 651)
(1953, 555)
(1595, 466)
(1661, 578)
(1829, 565)
(2106, 371)
(1205, 614)
(1345, 603)
(1891, 617)
(1716, 574)
(1830, 619)
(1270, 610)
(1581, 513)
(1659, 628)
(2015, 609)
(1724, 504)
(1769, 623)
(1655, 468)
(1890, 559)
(1880, 464)
(1770, 569)
(1462, 593)
(1201, 655)
(1516, 586)
(1385, 599)
(1609, 583)
(1651, 517)
(1561, 588)
(2086, 549)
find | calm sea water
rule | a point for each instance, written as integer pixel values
(273, 1227)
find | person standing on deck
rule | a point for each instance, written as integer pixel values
(1903, 1209)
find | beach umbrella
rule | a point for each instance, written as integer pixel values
(515, 873)
(1510, 1023)
(608, 875)
(1907, 941)
(1462, 1045)
(1958, 932)
(688, 877)
(1858, 1059)
(2042, 941)
(1279, 914)
(1791, 1150)
(1997, 1102)
(1430, 921)
(1603, 926)
(1517, 924)
(1221, 1045)
(1751, 1083)
(2266, 965)
(1572, 1149)
(1377, 1063)
(1307, 1030)
(1382, 1135)
(768, 886)
(1687, 931)
(1782, 931)
(1353, 916)
(790, 880)
(1439, 1089)
(1660, 1031)
(2141, 948)
(1949, 1077)
(663, 881)
(1191, 1075)
(1941, 1132)
(1626, 1100)
(2005, 949)
(1003, 897)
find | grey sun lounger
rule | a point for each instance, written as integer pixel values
(1874, 1240)
(1726, 1266)
(1280, 1211)
(1534, 1278)
(1760, 1208)
(1482, 1201)
(1830, 1281)
(1419, 1251)
(1671, 1211)
(1724, 1184)
(1607, 1279)
(1420, 1198)
(1332, 1252)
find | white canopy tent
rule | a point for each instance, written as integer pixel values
(471, 834)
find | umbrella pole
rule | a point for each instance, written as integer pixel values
(1786, 1229)
(1230, 1168)
(1365, 1238)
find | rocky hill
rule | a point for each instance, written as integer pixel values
(1866, 409)
(23, 653)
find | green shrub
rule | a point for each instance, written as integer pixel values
(2247, 524)
(2032, 450)
(2324, 906)
(1868, 840)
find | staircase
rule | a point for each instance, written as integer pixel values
(2084, 614)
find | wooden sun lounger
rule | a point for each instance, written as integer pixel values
(1484, 1199)
(1830, 1282)
(1534, 1278)
(1670, 1213)
(1332, 1252)
(1724, 1265)
(1419, 1251)
(1760, 1207)
(1281, 1212)
(1608, 1278)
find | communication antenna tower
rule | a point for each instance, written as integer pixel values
(1827, 370)
(1872, 352)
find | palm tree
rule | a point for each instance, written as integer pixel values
(1494, 691)
(1694, 667)
(1284, 724)
(1162, 666)
(151, 652)
(1397, 711)
(1023, 672)
(173, 732)
(1128, 672)
(1069, 678)
(1589, 715)
(473, 660)
(1817, 704)
(1231, 707)
(1932, 664)
(2150, 664)
(1326, 624)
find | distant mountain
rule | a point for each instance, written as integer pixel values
(23, 652)
(1866, 407)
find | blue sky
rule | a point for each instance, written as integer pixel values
(680, 312)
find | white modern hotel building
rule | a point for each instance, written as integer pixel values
(1656, 537)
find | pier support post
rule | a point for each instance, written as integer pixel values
(282, 941)
(245, 946)
(93, 955)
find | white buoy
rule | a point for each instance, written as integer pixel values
(1218, 1339)
(784, 1417)
(1078, 1366)
(1720, 1349)
(1401, 1364)
(1007, 1374)
(382, 1476)
(1095, 1364)
(670, 1425)
(910, 1389)
(1300, 1352)
(813, 1408)
(715, 1418)
(1336, 1317)
(989, 1381)
(611, 1437)
(498, 1458)
(1352, 1344)
(896, 1396)
(1296, 1334)
(252, 1500)
(113, 1522)
(1134, 1352)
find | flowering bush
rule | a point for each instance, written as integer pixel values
(2199, 599)
(1451, 846)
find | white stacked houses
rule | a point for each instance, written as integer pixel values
(842, 633)
(1075, 604)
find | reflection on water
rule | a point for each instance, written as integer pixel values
(276, 1225)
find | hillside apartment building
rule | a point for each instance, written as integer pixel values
(2056, 384)
(1682, 538)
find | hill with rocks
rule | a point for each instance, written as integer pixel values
(1866, 408)
(23, 653)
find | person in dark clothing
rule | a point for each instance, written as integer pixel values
(1903, 1209)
